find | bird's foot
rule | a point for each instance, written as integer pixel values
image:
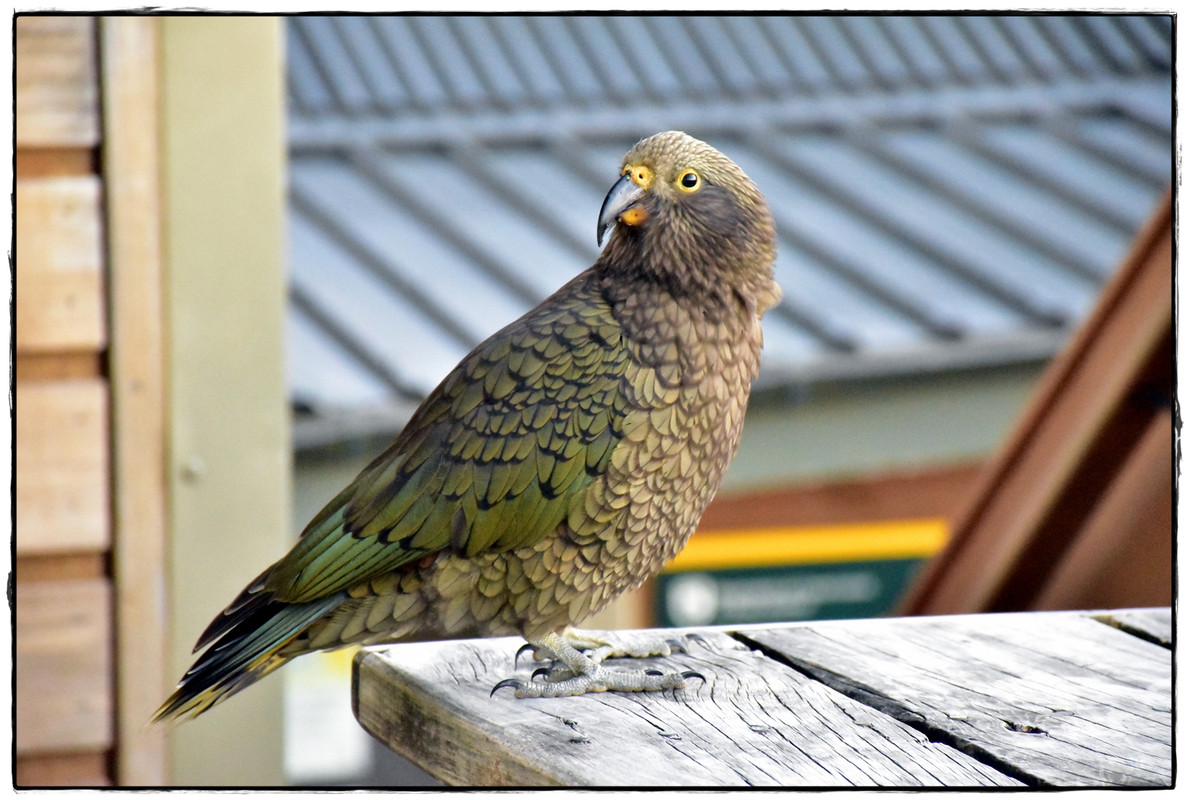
(599, 647)
(601, 679)
(577, 666)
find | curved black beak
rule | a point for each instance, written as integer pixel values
(622, 196)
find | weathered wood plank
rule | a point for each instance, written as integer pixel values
(62, 467)
(1153, 624)
(753, 722)
(57, 93)
(63, 666)
(59, 264)
(1057, 699)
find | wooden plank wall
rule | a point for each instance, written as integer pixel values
(64, 651)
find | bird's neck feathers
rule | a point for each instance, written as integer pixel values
(712, 266)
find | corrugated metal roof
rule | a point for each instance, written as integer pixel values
(948, 191)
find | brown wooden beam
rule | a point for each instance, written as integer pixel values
(1123, 555)
(909, 494)
(1089, 412)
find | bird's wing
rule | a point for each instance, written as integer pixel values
(491, 460)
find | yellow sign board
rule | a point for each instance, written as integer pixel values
(786, 546)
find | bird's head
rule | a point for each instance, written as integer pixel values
(686, 214)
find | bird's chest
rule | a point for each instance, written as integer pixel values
(685, 395)
(688, 378)
(678, 416)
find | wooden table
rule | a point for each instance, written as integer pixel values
(1036, 699)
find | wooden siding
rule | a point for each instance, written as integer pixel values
(59, 264)
(62, 466)
(57, 92)
(64, 666)
(64, 648)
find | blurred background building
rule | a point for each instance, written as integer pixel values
(952, 193)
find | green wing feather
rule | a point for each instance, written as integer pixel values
(489, 462)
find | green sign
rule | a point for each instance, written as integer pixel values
(843, 590)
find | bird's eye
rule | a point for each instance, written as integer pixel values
(689, 181)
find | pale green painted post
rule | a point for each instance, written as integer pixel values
(223, 152)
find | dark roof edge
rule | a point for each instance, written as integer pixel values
(1034, 346)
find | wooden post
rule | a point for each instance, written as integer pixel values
(129, 74)
(230, 464)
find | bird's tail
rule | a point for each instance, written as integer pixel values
(247, 649)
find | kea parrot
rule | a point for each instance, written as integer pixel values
(564, 461)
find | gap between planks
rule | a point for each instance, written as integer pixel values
(872, 698)
(1124, 621)
(1138, 624)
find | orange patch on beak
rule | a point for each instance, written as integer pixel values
(636, 215)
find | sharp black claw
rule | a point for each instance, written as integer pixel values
(652, 672)
(507, 682)
(541, 671)
(676, 645)
(527, 647)
(691, 674)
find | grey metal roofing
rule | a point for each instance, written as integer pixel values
(949, 191)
